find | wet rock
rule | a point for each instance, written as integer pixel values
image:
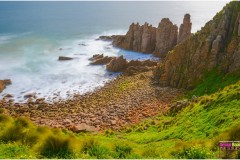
(29, 95)
(105, 38)
(39, 100)
(4, 83)
(100, 59)
(117, 64)
(62, 58)
(8, 96)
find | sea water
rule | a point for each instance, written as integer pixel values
(34, 34)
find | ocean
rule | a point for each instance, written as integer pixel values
(34, 34)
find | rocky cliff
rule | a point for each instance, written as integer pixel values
(215, 46)
(149, 39)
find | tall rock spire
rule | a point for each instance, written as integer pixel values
(185, 29)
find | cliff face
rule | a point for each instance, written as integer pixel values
(215, 46)
(149, 39)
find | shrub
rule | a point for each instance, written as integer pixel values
(150, 152)
(15, 151)
(56, 147)
(88, 144)
(195, 152)
(234, 133)
(17, 131)
(98, 151)
(91, 146)
(4, 118)
(122, 150)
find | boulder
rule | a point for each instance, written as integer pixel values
(39, 100)
(83, 128)
(105, 38)
(62, 58)
(100, 59)
(117, 64)
(29, 95)
(8, 96)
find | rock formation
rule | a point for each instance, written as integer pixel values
(138, 38)
(149, 39)
(62, 58)
(133, 67)
(185, 29)
(117, 64)
(120, 64)
(100, 59)
(166, 37)
(216, 46)
(4, 83)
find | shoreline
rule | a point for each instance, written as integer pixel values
(123, 101)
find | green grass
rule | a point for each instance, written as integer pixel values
(193, 132)
(12, 150)
(213, 81)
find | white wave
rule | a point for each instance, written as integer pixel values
(7, 37)
(38, 70)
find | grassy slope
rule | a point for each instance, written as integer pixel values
(205, 121)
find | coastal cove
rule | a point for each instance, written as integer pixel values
(29, 52)
(120, 80)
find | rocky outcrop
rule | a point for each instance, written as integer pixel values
(185, 29)
(105, 38)
(166, 37)
(120, 64)
(132, 67)
(117, 64)
(4, 83)
(100, 59)
(62, 58)
(149, 39)
(215, 46)
(138, 38)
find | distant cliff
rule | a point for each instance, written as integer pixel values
(149, 39)
(215, 46)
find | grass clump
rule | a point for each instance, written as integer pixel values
(122, 151)
(195, 152)
(16, 131)
(57, 147)
(94, 149)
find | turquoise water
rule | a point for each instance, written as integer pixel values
(32, 33)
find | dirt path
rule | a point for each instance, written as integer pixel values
(123, 101)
